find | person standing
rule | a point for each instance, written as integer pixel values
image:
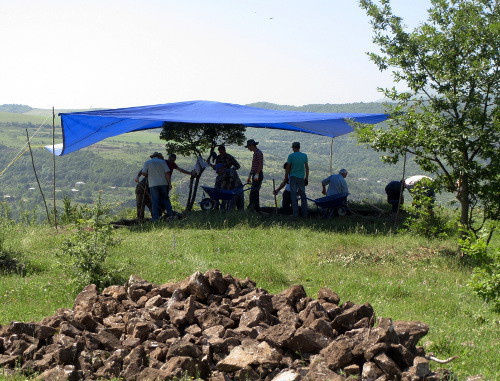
(173, 165)
(159, 179)
(256, 175)
(286, 202)
(142, 197)
(297, 170)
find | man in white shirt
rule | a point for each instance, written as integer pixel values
(159, 176)
(420, 188)
(336, 183)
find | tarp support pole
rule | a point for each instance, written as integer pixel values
(36, 176)
(331, 157)
(54, 162)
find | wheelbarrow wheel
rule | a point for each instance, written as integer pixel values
(341, 211)
(207, 204)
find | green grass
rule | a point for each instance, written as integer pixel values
(404, 277)
(9, 117)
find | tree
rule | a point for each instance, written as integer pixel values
(195, 139)
(448, 117)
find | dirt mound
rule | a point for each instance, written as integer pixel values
(215, 327)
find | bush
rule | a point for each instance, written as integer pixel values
(73, 213)
(485, 282)
(430, 222)
(10, 261)
(89, 247)
(485, 279)
(426, 219)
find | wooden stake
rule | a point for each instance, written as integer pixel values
(400, 193)
(36, 176)
(275, 199)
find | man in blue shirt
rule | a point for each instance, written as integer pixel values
(336, 183)
(297, 170)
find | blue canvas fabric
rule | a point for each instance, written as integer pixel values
(82, 129)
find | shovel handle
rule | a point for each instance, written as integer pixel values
(275, 199)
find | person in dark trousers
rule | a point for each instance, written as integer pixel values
(142, 197)
(297, 170)
(394, 191)
(159, 179)
(256, 175)
(286, 201)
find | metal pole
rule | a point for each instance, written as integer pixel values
(36, 176)
(54, 162)
(331, 157)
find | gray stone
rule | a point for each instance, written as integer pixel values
(249, 353)
(371, 371)
(421, 366)
(328, 295)
(387, 365)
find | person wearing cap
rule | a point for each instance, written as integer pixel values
(256, 175)
(159, 179)
(336, 183)
(297, 170)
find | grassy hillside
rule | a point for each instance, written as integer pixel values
(402, 276)
(362, 258)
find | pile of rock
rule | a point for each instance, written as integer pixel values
(216, 327)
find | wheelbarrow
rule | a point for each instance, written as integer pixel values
(332, 205)
(216, 195)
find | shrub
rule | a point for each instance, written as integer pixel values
(485, 279)
(426, 219)
(10, 261)
(430, 222)
(485, 282)
(89, 247)
(74, 213)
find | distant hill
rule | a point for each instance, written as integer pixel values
(341, 108)
(15, 108)
(11, 118)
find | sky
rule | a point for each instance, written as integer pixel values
(110, 53)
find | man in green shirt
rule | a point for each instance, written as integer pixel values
(297, 170)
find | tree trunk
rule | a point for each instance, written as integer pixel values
(193, 188)
(463, 198)
(191, 180)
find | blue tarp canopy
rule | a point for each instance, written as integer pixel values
(82, 129)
